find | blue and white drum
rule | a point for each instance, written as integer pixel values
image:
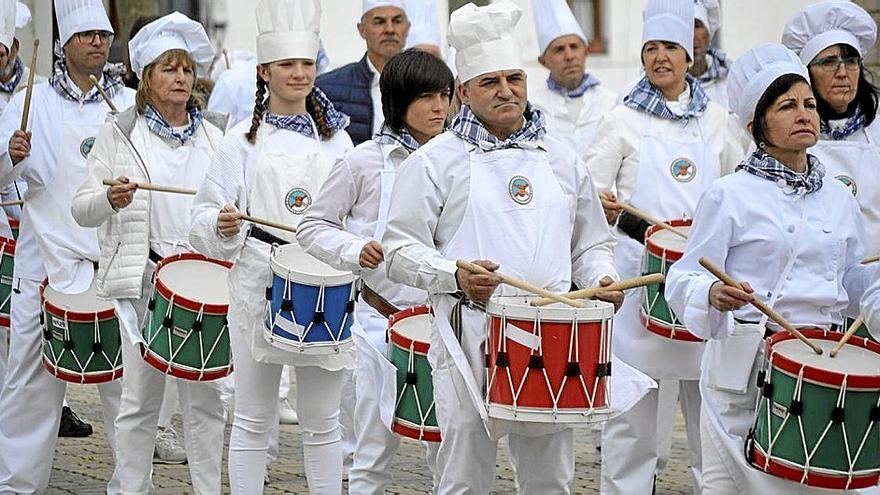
(310, 305)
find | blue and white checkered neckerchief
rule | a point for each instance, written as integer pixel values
(302, 123)
(763, 165)
(719, 66)
(587, 82)
(160, 127)
(469, 128)
(17, 72)
(111, 83)
(854, 124)
(646, 98)
(402, 138)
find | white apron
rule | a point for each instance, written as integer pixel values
(673, 173)
(49, 209)
(856, 165)
(283, 190)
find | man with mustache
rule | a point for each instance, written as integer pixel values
(354, 88)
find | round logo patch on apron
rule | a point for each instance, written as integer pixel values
(850, 183)
(683, 170)
(85, 147)
(298, 200)
(520, 190)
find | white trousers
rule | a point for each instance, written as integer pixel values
(256, 414)
(143, 390)
(169, 402)
(348, 401)
(4, 352)
(632, 442)
(31, 399)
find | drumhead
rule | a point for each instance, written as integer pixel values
(197, 280)
(416, 327)
(518, 307)
(669, 241)
(851, 360)
(293, 263)
(85, 302)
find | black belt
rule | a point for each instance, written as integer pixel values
(263, 236)
(154, 257)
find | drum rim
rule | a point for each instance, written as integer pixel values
(665, 331)
(595, 312)
(659, 251)
(778, 468)
(290, 274)
(402, 427)
(184, 302)
(7, 246)
(402, 341)
(75, 316)
(159, 363)
(819, 375)
(66, 375)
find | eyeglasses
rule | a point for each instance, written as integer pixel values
(832, 64)
(88, 37)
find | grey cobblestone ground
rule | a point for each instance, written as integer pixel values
(82, 466)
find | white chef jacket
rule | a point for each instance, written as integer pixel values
(871, 307)
(573, 120)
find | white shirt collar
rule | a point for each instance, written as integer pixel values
(374, 71)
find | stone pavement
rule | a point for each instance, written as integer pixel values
(82, 466)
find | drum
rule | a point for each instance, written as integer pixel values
(409, 341)
(310, 304)
(818, 417)
(186, 333)
(7, 263)
(662, 249)
(548, 364)
(80, 336)
(14, 225)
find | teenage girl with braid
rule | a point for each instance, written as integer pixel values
(272, 167)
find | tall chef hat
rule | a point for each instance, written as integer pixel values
(369, 5)
(425, 27)
(484, 40)
(171, 32)
(670, 20)
(555, 20)
(78, 16)
(754, 72)
(7, 22)
(709, 13)
(287, 29)
(818, 26)
(22, 15)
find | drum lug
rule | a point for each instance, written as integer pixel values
(47, 334)
(603, 370)
(318, 319)
(767, 390)
(68, 345)
(501, 360)
(349, 307)
(197, 326)
(151, 305)
(536, 362)
(168, 322)
(796, 408)
(411, 378)
(268, 293)
(875, 414)
(572, 369)
(838, 415)
(761, 376)
(286, 305)
(97, 347)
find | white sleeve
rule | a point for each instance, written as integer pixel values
(871, 307)
(735, 146)
(856, 276)
(605, 155)
(322, 231)
(9, 123)
(223, 185)
(91, 205)
(411, 254)
(592, 245)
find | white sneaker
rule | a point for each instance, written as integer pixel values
(168, 449)
(286, 413)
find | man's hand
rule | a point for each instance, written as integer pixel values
(371, 255)
(478, 288)
(615, 297)
(726, 298)
(229, 221)
(122, 195)
(609, 204)
(19, 146)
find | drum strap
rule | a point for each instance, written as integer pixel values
(455, 317)
(154, 257)
(377, 302)
(263, 236)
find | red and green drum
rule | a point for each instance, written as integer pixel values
(409, 341)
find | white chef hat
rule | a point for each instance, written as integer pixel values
(754, 72)
(22, 15)
(369, 5)
(7, 22)
(174, 31)
(818, 26)
(425, 27)
(78, 16)
(670, 20)
(555, 20)
(484, 38)
(709, 13)
(288, 29)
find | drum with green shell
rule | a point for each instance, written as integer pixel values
(410, 339)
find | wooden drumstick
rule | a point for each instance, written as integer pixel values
(849, 333)
(519, 284)
(632, 210)
(146, 186)
(269, 223)
(871, 259)
(226, 58)
(773, 315)
(17, 202)
(103, 94)
(25, 113)
(630, 283)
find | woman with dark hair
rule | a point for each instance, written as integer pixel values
(344, 228)
(831, 38)
(286, 148)
(793, 235)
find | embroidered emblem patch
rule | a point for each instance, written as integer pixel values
(683, 170)
(298, 200)
(85, 147)
(850, 183)
(520, 190)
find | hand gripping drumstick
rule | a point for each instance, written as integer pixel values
(630, 283)
(146, 186)
(632, 210)
(519, 284)
(849, 333)
(30, 88)
(773, 315)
